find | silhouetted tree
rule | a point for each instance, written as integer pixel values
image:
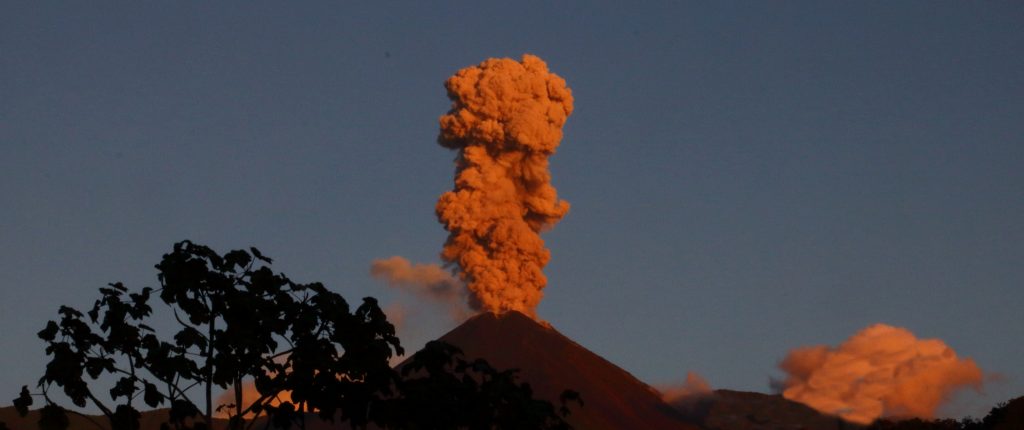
(238, 321)
(1005, 415)
(915, 424)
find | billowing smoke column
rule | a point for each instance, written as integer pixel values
(506, 120)
(881, 371)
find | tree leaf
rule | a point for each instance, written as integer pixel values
(23, 401)
(189, 337)
(153, 397)
(124, 387)
(237, 258)
(260, 256)
(95, 366)
(50, 332)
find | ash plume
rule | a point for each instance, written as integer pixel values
(249, 395)
(397, 313)
(694, 386)
(506, 120)
(426, 281)
(692, 397)
(881, 371)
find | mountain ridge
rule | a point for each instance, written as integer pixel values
(551, 362)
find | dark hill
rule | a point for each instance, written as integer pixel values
(551, 362)
(740, 410)
(150, 420)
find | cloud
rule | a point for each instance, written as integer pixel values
(249, 395)
(694, 385)
(397, 315)
(693, 397)
(425, 281)
(881, 371)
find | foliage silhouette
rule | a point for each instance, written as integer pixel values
(300, 345)
(1005, 415)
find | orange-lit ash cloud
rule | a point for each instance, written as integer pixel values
(694, 385)
(396, 314)
(687, 397)
(506, 120)
(427, 281)
(249, 395)
(881, 371)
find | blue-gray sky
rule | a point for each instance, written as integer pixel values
(745, 177)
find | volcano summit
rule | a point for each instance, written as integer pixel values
(551, 362)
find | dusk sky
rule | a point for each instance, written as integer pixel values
(745, 177)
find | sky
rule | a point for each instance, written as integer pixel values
(745, 177)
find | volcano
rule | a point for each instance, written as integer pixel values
(551, 363)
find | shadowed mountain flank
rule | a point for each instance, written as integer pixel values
(149, 420)
(740, 410)
(551, 363)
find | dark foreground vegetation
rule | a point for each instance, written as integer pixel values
(738, 410)
(1005, 416)
(307, 352)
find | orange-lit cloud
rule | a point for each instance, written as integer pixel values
(688, 396)
(397, 315)
(694, 385)
(426, 281)
(881, 371)
(249, 395)
(506, 120)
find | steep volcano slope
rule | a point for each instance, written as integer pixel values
(551, 363)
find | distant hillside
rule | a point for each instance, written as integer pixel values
(722, 410)
(739, 410)
(151, 420)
